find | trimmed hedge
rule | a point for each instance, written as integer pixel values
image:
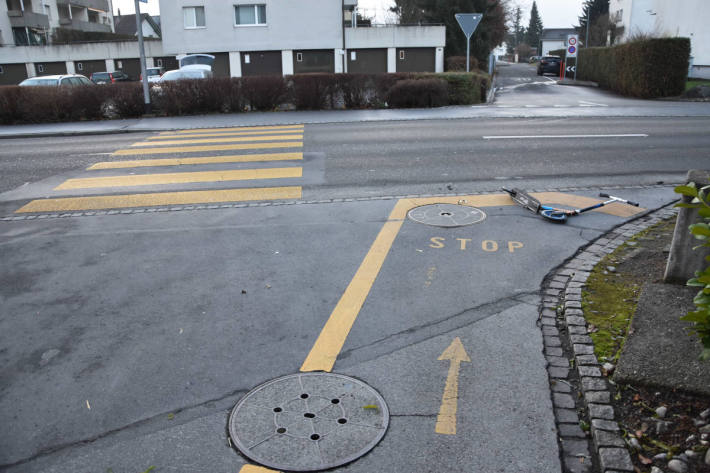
(413, 93)
(647, 68)
(558, 52)
(228, 95)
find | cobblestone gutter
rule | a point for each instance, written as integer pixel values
(580, 391)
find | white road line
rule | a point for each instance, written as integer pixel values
(584, 103)
(527, 137)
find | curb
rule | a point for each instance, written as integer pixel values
(577, 381)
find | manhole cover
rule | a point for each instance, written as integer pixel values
(308, 421)
(447, 215)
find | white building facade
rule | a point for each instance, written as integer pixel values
(277, 37)
(658, 18)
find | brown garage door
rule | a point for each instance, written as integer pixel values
(50, 68)
(367, 61)
(416, 60)
(220, 68)
(168, 63)
(86, 68)
(321, 60)
(261, 63)
(131, 67)
(12, 74)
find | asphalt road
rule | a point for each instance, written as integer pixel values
(126, 338)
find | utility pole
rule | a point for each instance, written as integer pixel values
(141, 47)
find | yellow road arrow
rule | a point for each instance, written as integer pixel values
(446, 421)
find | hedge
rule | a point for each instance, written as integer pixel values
(229, 95)
(647, 68)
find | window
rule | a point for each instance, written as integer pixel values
(2, 71)
(299, 57)
(194, 17)
(40, 68)
(245, 15)
(401, 54)
(80, 66)
(159, 62)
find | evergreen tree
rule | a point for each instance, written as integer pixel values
(518, 28)
(534, 32)
(408, 11)
(598, 13)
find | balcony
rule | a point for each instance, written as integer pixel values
(84, 25)
(93, 4)
(22, 19)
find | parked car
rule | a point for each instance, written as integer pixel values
(153, 73)
(181, 74)
(533, 59)
(109, 77)
(549, 65)
(61, 80)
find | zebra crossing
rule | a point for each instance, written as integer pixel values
(203, 166)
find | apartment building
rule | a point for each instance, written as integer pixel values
(30, 22)
(658, 18)
(277, 37)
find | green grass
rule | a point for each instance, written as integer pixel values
(609, 299)
(609, 302)
(695, 82)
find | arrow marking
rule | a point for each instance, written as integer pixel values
(446, 420)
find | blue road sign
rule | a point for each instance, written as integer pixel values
(468, 22)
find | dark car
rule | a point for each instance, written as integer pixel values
(549, 65)
(109, 77)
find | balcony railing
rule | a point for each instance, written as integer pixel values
(84, 25)
(22, 19)
(93, 4)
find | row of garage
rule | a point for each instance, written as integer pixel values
(370, 61)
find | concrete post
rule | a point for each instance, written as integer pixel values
(110, 65)
(70, 67)
(391, 60)
(339, 58)
(31, 70)
(439, 60)
(235, 63)
(287, 62)
(683, 261)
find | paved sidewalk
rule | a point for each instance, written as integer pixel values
(631, 108)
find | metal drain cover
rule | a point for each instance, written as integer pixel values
(308, 421)
(447, 215)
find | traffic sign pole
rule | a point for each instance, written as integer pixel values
(572, 46)
(468, 23)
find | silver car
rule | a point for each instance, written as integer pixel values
(181, 74)
(62, 80)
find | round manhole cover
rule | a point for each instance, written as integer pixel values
(308, 421)
(447, 215)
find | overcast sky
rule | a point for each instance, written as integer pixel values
(554, 13)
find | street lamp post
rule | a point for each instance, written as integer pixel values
(141, 47)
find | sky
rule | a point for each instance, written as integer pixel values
(554, 13)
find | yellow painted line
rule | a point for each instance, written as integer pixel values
(160, 199)
(180, 178)
(233, 133)
(256, 469)
(203, 149)
(332, 337)
(240, 128)
(238, 139)
(446, 420)
(238, 158)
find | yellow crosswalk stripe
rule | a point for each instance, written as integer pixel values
(180, 178)
(240, 128)
(218, 140)
(237, 158)
(206, 148)
(223, 134)
(160, 199)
